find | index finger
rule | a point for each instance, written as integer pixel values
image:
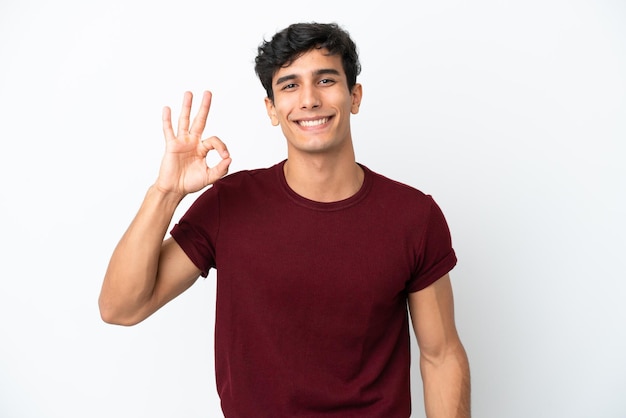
(199, 122)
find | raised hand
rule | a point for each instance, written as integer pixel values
(184, 168)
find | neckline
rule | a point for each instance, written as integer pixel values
(325, 206)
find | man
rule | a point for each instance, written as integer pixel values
(317, 256)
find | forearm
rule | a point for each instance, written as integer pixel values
(131, 275)
(447, 384)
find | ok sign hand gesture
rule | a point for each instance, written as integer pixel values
(184, 168)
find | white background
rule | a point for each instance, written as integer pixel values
(512, 115)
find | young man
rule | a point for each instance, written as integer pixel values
(317, 256)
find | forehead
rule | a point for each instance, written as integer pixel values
(311, 63)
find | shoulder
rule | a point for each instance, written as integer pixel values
(402, 203)
(253, 178)
(390, 189)
(244, 187)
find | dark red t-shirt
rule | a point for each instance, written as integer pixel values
(311, 315)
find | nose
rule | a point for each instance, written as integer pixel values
(309, 97)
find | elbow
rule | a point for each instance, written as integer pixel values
(439, 355)
(114, 316)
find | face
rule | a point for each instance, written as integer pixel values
(312, 103)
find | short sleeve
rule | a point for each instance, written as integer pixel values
(435, 256)
(196, 231)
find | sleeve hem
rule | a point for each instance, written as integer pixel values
(443, 268)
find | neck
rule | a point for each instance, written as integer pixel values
(323, 179)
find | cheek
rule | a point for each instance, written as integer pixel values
(346, 102)
(282, 111)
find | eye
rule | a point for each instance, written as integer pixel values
(289, 86)
(327, 81)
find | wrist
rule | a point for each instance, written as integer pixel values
(165, 196)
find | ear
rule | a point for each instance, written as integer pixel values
(271, 111)
(357, 95)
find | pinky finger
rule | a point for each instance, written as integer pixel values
(166, 117)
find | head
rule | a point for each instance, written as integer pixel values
(299, 38)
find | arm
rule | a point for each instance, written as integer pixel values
(443, 361)
(146, 271)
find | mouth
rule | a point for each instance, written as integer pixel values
(312, 122)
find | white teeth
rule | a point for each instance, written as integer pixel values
(313, 122)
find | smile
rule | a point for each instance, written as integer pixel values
(317, 122)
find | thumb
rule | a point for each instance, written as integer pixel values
(219, 170)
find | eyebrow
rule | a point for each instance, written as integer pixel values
(290, 77)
